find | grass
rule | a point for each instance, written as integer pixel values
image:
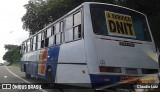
(15, 64)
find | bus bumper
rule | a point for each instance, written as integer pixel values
(120, 81)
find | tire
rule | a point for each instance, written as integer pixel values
(28, 76)
(50, 78)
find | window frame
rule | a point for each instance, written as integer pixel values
(40, 36)
(74, 26)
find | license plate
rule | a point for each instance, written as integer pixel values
(131, 71)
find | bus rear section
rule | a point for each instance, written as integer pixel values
(121, 44)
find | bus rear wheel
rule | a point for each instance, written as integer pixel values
(49, 76)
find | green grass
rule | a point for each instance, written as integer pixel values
(17, 64)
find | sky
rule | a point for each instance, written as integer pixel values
(11, 32)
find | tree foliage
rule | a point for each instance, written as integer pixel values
(151, 8)
(41, 13)
(12, 54)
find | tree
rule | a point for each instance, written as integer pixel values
(151, 8)
(41, 13)
(12, 54)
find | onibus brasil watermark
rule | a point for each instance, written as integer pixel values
(20, 86)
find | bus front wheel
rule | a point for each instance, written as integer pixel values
(28, 76)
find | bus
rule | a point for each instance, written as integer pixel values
(96, 44)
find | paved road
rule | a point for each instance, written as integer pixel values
(10, 74)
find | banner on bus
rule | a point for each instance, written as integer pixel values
(119, 24)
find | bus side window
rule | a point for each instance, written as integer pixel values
(57, 28)
(57, 34)
(28, 45)
(23, 48)
(39, 41)
(36, 44)
(68, 29)
(77, 25)
(42, 39)
(49, 32)
(58, 38)
(68, 35)
(51, 40)
(46, 37)
(31, 44)
(69, 22)
(53, 30)
(61, 31)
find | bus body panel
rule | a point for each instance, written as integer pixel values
(78, 77)
(72, 52)
(89, 42)
(116, 55)
(72, 57)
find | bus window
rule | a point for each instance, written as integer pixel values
(34, 39)
(61, 26)
(53, 30)
(26, 48)
(39, 45)
(49, 32)
(42, 40)
(62, 37)
(51, 40)
(46, 42)
(68, 35)
(43, 35)
(42, 44)
(36, 42)
(31, 45)
(119, 22)
(77, 26)
(39, 37)
(58, 39)
(69, 22)
(77, 19)
(77, 32)
(57, 28)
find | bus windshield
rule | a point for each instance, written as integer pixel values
(115, 21)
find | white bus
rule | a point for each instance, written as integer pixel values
(96, 43)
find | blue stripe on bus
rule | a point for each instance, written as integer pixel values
(101, 80)
(52, 59)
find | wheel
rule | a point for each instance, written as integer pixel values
(50, 78)
(28, 76)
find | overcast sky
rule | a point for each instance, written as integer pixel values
(11, 32)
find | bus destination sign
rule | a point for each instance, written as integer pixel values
(119, 24)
